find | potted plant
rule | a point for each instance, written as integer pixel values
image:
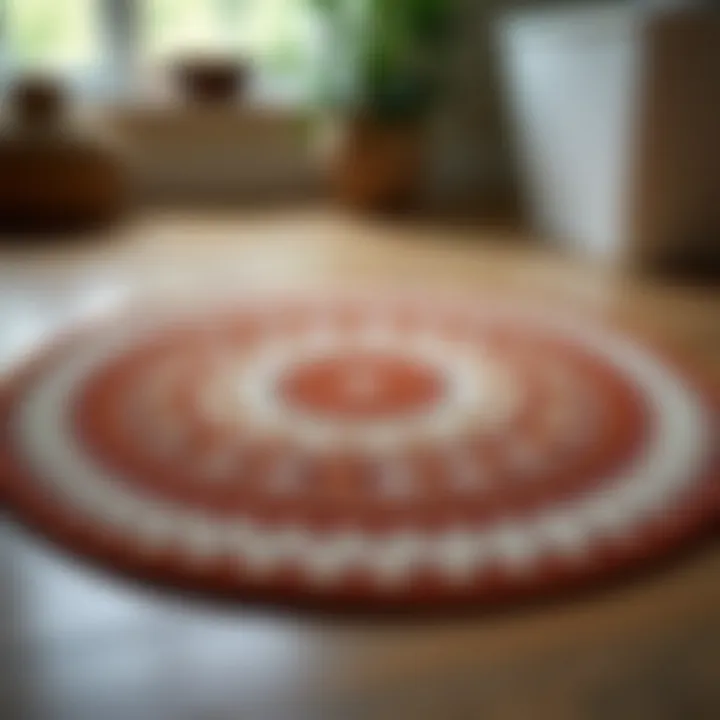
(385, 71)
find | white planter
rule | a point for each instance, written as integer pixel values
(617, 111)
(571, 79)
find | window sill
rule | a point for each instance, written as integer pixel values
(185, 152)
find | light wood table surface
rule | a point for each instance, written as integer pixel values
(76, 644)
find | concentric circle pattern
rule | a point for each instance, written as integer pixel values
(395, 452)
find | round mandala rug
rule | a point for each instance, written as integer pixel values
(375, 452)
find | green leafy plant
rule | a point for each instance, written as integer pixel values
(389, 55)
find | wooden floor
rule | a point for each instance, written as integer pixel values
(78, 645)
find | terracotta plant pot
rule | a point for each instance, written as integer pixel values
(38, 100)
(379, 165)
(59, 184)
(56, 175)
(211, 81)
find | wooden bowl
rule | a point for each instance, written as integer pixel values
(211, 81)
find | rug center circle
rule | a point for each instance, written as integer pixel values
(362, 386)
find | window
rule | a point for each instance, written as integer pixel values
(58, 35)
(95, 42)
(279, 36)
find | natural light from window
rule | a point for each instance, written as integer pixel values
(280, 38)
(52, 34)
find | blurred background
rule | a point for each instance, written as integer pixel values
(589, 123)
